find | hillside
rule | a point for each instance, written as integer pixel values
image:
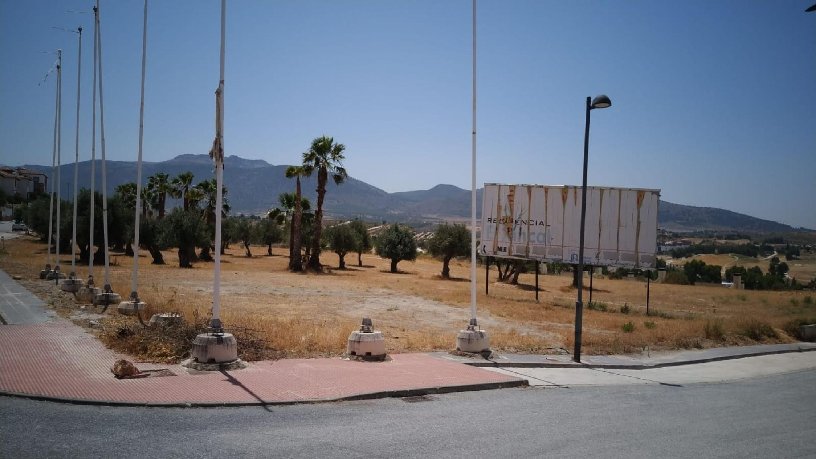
(254, 186)
(678, 217)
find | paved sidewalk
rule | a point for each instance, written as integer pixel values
(44, 356)
(629, 362)
(60, 361)
(675, 375)
(18, 305)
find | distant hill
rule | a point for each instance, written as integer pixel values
(254, 185)
(677, 217)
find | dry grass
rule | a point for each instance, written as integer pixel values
(300, 315)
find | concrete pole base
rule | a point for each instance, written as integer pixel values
(807, 332)
(86, 295)
(107, 299)
(131, 308)
(165, 319)
(368, 345)
(474, 341)
(214, 348)
(71, 285)
(54, 275)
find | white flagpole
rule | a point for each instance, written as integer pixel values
(59, 151)
(135, 275)
(53, 172)
(218, 153)
(473, 187)
(76, 158)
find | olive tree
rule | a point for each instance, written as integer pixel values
(447, 242)
(365, 240)
(397, 243)
(186, 230)
(341, 239)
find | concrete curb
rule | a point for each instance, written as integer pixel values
(634, 366)
(369, 396)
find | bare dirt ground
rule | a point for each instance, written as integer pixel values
(312, 314)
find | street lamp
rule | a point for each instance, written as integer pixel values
(601, 101)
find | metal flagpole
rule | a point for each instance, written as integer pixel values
(59, 160)
(53, 171)
(473, 187)
(104, 168)
(473, 339)
(76, 157)
(135, 275)
(217, 154)
(92, 228)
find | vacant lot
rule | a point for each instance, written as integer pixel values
(312, 314)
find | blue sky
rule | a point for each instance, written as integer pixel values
(712, 99)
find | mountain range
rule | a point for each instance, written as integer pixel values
(254, 186)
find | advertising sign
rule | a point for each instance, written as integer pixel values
(543, 223)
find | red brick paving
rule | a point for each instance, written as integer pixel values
(59, 360)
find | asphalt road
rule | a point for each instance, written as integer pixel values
(771, 416)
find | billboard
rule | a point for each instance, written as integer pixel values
(543, 223)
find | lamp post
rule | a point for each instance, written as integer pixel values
(601, 101)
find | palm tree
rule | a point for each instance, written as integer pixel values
(286, 209)
(295, 235)
(206, 190)
(181, 186)
(127, 192)
(160, 186)
(325, 157)
(148, 196)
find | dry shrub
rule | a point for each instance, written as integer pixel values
(714, 329)
(757, 330)
(169, 344)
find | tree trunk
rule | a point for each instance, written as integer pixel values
(314, 257)
(291, 233)
(514, 279)
(99, 256)
(342, 260)
(129, 249)
(503, 269)
(204, 255)
(269, 249)
(184, 258)
(246, 246)
(295, 261)
(360, 259)
(158, 258)
(84, 253)
(446, 267)
(394, 265)
(162, 201)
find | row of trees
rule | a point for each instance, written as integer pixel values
(752, 278)
(188, 227)
(748, 250)
(397, 243)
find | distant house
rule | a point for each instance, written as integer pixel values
(23, 182)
